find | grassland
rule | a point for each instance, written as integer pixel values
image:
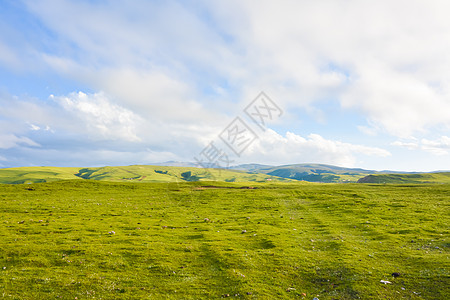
(84, 239)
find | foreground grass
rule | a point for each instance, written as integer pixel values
(98, 240)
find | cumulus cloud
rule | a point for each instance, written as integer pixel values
(93, 116)
(100, 116)
(293, 148)
(94, 122)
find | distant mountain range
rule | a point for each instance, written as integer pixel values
(309, 172)
(334, 174)
(173, 171)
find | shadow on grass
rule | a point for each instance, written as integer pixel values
(336, 282)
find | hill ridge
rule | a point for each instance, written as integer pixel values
(242, 173)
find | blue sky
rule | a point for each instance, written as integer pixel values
(92, 83)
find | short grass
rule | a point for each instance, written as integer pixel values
(85, 239)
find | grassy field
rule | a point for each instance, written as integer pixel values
(84, 239)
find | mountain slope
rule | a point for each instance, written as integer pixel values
(334, 174)
(36, 174)
(310, 172)
(242, 173)
(436, 177)
(137, 173)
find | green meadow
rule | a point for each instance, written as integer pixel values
(84, 239)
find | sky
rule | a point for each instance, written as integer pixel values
(350, 83)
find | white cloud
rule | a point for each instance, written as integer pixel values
(101, 117)
(400, 102)
(92, 122)
(19, 115)
(8, 141)
(34, 127)
(408, 145)
(440, 146)
(292, 148)
(155, 94)
(373, 57)
(385, 59)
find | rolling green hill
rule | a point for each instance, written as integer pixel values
(310, 172)
(36, 174)
(334, 174)
(439, 177)
(137, 173)
(242, 173)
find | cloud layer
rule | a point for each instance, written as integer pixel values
(275, 148)
(167, 77)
